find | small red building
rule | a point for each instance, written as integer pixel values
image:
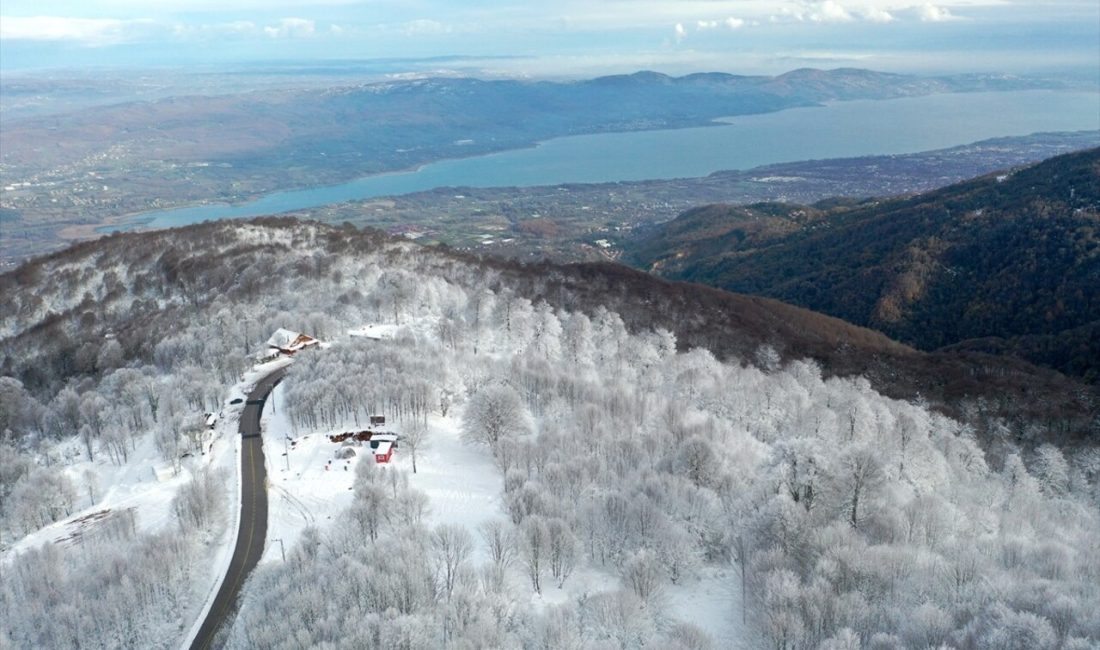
(383, 446)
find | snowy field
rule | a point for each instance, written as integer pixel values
(143, 486)
(145, 483)
(461, 480)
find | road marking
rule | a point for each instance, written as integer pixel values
(258, 404)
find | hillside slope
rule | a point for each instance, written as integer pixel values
(60, 307)
(593, 474)
(1005, 262)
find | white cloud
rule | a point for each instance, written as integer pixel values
(239, 27)
(876, 15)
(833, 11)
(930, 13)
(88, 31)
(424, 26)
(728, 23)
(291, 28)
(164, 8)
(830, 11)
(680, 32)
(236, 28)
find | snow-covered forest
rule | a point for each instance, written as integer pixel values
(840, 517)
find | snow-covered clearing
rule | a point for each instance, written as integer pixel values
(375, 331)
(143, 485)
(713, 602)
(461, 480)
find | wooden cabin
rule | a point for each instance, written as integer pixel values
(288, 343)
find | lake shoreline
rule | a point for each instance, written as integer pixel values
(631, 155)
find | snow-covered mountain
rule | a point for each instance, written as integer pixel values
(602, 459)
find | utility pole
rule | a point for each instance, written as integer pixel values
(282, 549)
(286, 449)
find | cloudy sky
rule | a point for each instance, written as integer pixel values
(563, 37)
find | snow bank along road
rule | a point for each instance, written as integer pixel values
(253, 528)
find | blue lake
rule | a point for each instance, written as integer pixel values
(838, 130)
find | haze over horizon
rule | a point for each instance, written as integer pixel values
(573, 38)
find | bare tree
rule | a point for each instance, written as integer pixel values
(860, 473)
(200, 503)
(451, 546)
(91, 484)
(534, 543)
(500, 540)
(562, 549)
(415, 439)
(642, 574)
(371, 509)
(411, 506)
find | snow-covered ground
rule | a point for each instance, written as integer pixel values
(464, 487)
(461, 480)
(145, 485)
(375, 331)
(314, 489)
(712, 602)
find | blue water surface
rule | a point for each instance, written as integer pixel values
(842, 129)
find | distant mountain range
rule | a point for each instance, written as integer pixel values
(107, 161)
(390, 125)
(1008, 262)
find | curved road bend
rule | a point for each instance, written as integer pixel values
(253, 530)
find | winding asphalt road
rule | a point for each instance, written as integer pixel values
(253, 530)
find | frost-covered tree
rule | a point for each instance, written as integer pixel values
(451, 546)
(642, 574)
(500, 543)
(415, 440)
(39, 497)
(534, 538)
(859, 474)
(494, 413)
(200, 503)
(561, 549)
(1051, 470)
(848, 514)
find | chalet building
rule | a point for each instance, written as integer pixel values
(287, 343)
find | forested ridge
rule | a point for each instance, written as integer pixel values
(137, 286)
(1008, 262)
(647, 434)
